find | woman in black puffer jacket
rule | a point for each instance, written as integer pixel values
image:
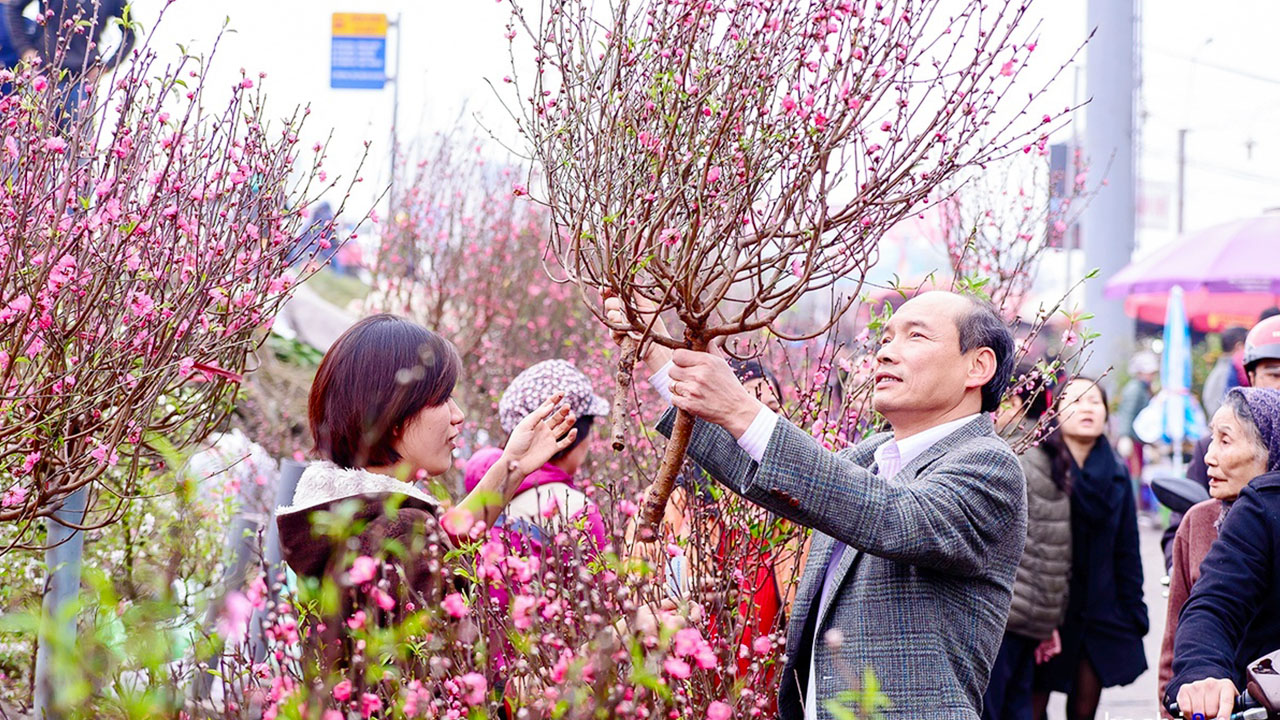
(1040, 589)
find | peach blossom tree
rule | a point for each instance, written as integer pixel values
(464, 254)
(144, 235)
(721, 159)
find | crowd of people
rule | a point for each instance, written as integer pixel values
(973, 581)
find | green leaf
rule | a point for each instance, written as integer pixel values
(838, 710)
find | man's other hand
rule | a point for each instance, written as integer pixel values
(1211, 698)
(703, 385)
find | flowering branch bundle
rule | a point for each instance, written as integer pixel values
(999, 226)
(143, 245)
(721, 159)
(464, 255)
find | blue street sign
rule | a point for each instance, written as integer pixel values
(358, 63)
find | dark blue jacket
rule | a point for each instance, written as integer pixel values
(46, 40)
(1106, 615)
(1233, 614)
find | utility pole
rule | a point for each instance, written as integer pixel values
(1182, 175)
(395, 115)
(58, 623)
(1108, 222)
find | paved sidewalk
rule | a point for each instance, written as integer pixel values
(1136, 701)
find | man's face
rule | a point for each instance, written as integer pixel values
(1266, 375)
(919, 366)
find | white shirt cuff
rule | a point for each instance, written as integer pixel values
(756, 438)
(753, 441)
(661, 381)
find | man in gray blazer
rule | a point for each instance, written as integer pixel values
(917, 533)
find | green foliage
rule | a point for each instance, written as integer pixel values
(293, 351)
(341, 290)
(860, 703)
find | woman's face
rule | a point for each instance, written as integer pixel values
(1082, 413)
(1234, 456)
(762, 390)
(428, 439)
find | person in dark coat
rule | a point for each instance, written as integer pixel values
(1040, 588)
(1233, 614)
(1237, 455)
(78, 53)
(1106, 616)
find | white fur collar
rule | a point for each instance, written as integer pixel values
(324, 482)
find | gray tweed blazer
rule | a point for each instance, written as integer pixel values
(923, 602)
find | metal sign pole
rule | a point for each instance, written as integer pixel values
(395, 115)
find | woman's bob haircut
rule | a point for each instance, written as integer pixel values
(374, 379)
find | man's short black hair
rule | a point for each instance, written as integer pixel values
(1234, 337)
(1269, 312)
(982, 327)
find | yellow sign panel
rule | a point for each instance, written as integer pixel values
(359, 24)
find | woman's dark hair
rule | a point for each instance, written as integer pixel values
(583, 426)
(982, 327)
(374, 379)
(1035, 390)
(746, 370)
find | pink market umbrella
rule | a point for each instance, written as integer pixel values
(1206, 311)
(1242, 256)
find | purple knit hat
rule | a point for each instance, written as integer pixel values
(1264, 405)
(532, 387)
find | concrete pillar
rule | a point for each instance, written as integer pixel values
(1108, 222)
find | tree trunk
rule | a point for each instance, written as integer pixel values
(618, 411)
(655, 500)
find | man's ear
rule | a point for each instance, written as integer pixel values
(982, 367)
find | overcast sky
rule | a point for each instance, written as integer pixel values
(1213, 71)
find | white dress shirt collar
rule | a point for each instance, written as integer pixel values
(893, 455)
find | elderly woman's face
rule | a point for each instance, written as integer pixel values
(1234, 457)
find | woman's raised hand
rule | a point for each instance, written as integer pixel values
(539, 436)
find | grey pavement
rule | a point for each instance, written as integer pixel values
(312, 319)
(1138, 700)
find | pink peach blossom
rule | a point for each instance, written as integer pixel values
(363, 570)
(455, 605)
(677, 668)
